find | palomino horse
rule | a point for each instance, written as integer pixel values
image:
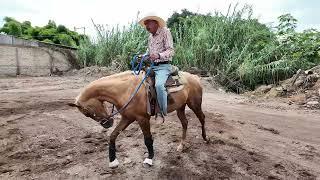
(118, 88)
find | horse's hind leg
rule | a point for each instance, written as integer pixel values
(182, 116)
(195, 106)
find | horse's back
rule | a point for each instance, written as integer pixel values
(191, 80)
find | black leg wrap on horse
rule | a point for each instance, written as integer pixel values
(112, 151)
(149, 143)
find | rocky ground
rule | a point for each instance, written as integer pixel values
(302, 89)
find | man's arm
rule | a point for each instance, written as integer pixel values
(168, 43)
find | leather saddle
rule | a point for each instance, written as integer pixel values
(173, 84)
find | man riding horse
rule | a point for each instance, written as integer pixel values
(119, 89)
(160, 50)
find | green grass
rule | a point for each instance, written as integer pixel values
(235, 48)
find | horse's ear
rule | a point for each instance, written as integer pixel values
(73, 105)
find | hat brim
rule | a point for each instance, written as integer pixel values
(160, 21)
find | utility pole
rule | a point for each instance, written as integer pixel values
(84, 29)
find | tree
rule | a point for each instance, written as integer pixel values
(66, 40)
(11, 27)
(14, 29)
(51, 24)
(177, 18)
(26, 24)
(47, 34)
(50, 33)
(287, 24)
(62, 29)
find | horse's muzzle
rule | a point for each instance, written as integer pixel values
(107, 123)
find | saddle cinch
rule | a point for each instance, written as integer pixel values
(173, 84)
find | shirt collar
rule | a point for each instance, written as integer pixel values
(158, 31)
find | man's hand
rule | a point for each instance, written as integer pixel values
(154, 57)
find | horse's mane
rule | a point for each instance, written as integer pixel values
(118, 77)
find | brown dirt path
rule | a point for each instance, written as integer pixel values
(42, 138)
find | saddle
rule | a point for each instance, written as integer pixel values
(173, 84)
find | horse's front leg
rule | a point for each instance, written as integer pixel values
(145, 127)
(123, 124)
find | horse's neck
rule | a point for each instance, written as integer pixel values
(114, 89)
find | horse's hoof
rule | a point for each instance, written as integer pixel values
(207, 140)
(180, 148)
(147, 162)
(114, 164)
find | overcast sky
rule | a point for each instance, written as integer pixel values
(77, 13)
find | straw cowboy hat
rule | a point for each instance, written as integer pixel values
(152, 16)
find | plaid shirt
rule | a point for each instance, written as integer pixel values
(161, 43)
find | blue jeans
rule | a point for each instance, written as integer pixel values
(162, 73)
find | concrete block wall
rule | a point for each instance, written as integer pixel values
(8, 62)
(23, 57)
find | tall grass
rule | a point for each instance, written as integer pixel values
(235, 48)
(117, 45)
(221, 44)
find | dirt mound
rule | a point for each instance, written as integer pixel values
(302, 89)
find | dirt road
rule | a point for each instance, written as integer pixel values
(42, 138)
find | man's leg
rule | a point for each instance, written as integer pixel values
(162, 72)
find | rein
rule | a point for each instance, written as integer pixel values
(136, 71)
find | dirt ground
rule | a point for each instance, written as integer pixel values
(42, 138)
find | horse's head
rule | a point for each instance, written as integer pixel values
(96, 110)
